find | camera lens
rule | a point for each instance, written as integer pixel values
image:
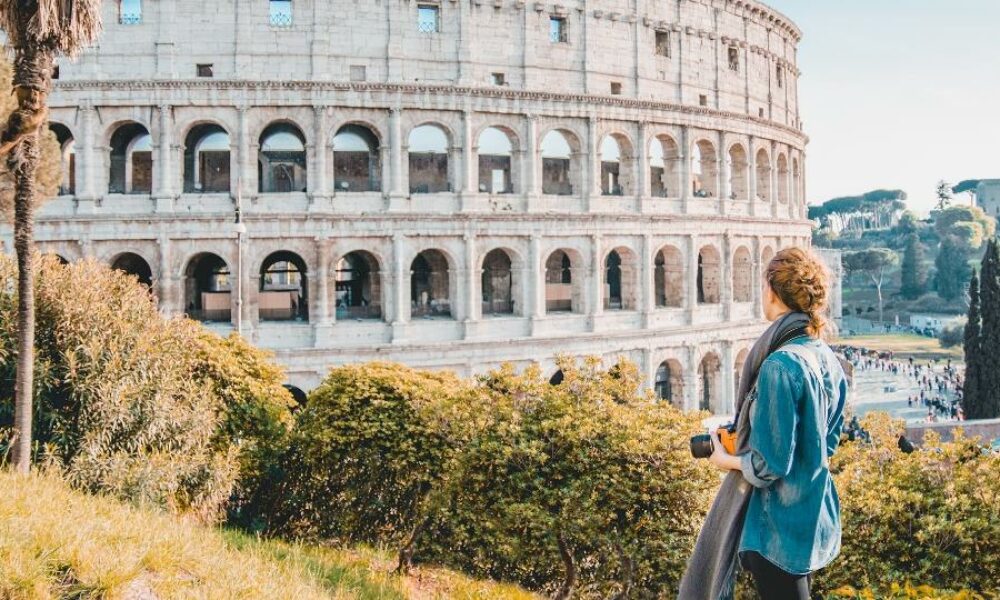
(701, 446)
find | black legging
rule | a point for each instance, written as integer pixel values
(773, 583)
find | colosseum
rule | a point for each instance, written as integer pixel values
(446, 183)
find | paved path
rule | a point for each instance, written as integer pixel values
(876, 390)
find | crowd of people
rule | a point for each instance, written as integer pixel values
(938, 390)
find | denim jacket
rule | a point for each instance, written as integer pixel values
(793, 518)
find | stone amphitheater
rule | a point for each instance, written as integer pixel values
(446, 183)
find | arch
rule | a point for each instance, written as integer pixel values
(620, 279)
(207, 288)
(709, 277)
(765, 257)
(739, 173)
(562, 283)
(741, 359)
(281, 159)
(498, 283)
(67, 158)
(428, 159)
(131, 169)
(430, 285)
(763, 161)
(135, 265)
(298, 395)
(495, 150)
(668, 277)
(704, 169)
(783, 179)
(668, 383)
(560, 151)
(710, 383)
(357, 160)
(664, 159)
(358, 286)
(616, 161)
(207, 159)
(284, 289)
(742, 275)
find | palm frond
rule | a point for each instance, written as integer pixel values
(64, 26)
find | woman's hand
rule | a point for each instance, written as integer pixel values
(721, 458)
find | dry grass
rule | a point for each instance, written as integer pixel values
(905, 345)
(58, 543)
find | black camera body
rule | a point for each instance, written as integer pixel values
(701, 445)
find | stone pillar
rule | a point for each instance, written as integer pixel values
(646, 270)
(535, 278)
(773, 173)
(727, 276)
(87, 162)
(467, 183)
(691, 383)
(644, 186)
(752, 166)
(246, 178)
(728, 395)
(163, 178)
(725, 175)
(473, 305)
(325, 316)
(400, 281)
(758, 279)
(318, 182)
(396, 153)
(692, 277)
(531, 162)
(592, 166)
(167, 283)
(685, 158)
(596, 276)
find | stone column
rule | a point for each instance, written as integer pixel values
(773, 174)
(758, 279)
(728, 395)
(725, 175)
(692, 277)
(400, 280)
(596, 276)
(646, 271)
(167, 283)
(727, 276)
(535, 278)
(473, 306)
(325, 316)
(87, 163)
(246, 178)
(591, 170)
(685, 158)
(691, 383)
(752, 166)
(467, 180)
(644, 187)
(318, 182)
(163, 178)
(396, 153)
(530, 169)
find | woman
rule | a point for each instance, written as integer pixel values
(777, 511)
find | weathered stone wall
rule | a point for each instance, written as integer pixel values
(299, 78)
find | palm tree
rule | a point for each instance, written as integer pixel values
(37, 31)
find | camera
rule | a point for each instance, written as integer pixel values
(701, 445)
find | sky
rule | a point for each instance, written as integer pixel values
(898, 94)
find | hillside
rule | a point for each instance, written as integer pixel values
(59, 543)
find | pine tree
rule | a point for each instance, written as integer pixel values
(952, 269)
(914, 272)
(989, 360)
(972, 404)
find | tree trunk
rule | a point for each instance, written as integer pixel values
(32, 72)
(569, 583)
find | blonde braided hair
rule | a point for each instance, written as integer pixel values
(802, 282)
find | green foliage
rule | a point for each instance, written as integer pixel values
(988, 404)
(878, 206)
(944, 194)
(952, 269)
(929, 516)
(967, 185)
(952, 334)
(370, 454)
(968, 224)
(824, 237)
(972, 395)
(914, 271)
(129, 403)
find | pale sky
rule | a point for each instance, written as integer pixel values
(898, 94)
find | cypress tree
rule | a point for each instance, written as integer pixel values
(952, 270)
(971, 390)
(914, 273)
(989, 299)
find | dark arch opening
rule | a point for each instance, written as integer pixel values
(134, 265)
(359, 293)
(283, 288)
(207, 288)
(206, 159)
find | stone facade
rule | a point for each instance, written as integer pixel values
(447, 184)
(988, 197)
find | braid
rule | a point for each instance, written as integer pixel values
(802, 282)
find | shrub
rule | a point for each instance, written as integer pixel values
(131, 404)
(585, 485)
(952, 334)
(929, 516)
(370, 450)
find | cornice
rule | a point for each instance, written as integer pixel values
(414, 88)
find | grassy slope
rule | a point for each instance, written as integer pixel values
(905, 345)
(57, 543)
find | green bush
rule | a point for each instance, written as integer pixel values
(131, 404)
(930, 516)
(369, 452)
(952, 334)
